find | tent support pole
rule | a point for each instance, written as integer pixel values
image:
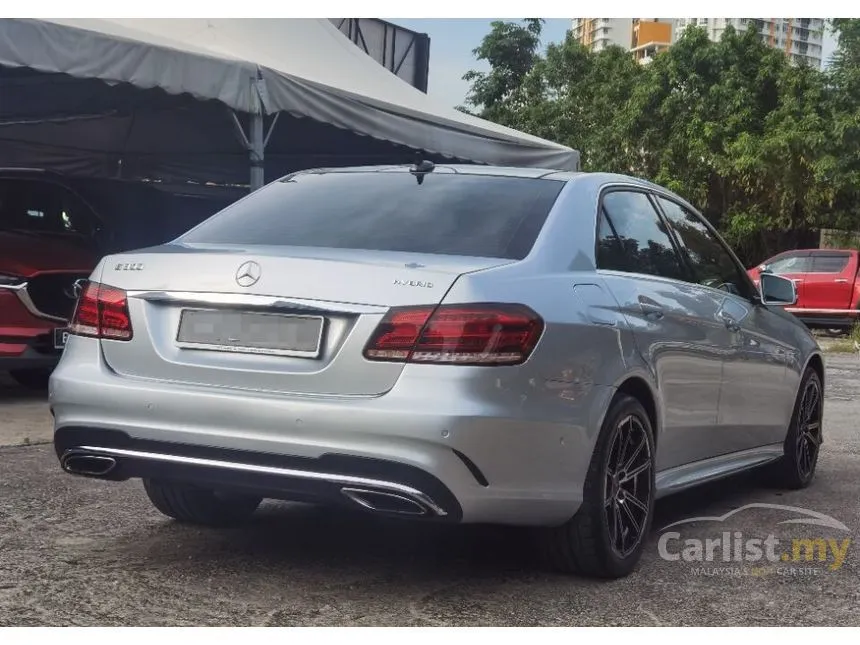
(256, 145)
(257, 139)
(258, 151)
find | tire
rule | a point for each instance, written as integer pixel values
(34, 379)
(588, 543)
(193, 505)
(796, 468)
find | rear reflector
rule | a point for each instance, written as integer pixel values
(102, 312)
(478, 334)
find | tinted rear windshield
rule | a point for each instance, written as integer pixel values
(449, 214)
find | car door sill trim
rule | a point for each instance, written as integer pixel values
(679, 478)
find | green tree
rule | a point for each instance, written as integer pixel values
(511, 49)
(769, 151)
(841, 169)
(585, 102)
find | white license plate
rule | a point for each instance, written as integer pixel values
(61, 336)
(250, 332)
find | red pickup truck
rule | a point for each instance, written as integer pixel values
(828, 289)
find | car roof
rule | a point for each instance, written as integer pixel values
(443, 168)
(497, 171)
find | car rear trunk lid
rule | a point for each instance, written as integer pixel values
(299, 325)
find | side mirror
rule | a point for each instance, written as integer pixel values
(776, 290)
(764, 268)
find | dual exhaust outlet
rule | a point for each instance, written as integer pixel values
(382, 502)
(86, 464)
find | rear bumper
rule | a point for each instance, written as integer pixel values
(514, 460)
(29, 359)
(331, 478)
(26, 342)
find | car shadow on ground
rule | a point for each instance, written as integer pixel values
(306, 538)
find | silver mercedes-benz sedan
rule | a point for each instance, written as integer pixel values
(443, 343)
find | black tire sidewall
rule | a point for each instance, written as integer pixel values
(790, 445)
(189, 503)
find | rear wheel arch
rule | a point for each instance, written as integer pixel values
(639, 389)
(817, 363)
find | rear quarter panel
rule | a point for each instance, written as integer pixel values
(586, 348)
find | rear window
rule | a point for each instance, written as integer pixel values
(448, 214)
(829, 262)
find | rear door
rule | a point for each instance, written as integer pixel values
(281, 291)
(830, 281)
(753, 394)
(675, 323)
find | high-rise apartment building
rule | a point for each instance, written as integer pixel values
(644, 37)
(650, 36)
(800, 38)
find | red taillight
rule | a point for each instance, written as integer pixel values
(491, 334)
(102, 312)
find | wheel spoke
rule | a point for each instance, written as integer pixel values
(633, 474)
(614, 459)
(808, 403)
(619, 528)
(626, 442)
(608, 498)
(636, 526)
(635, 501)
(629, 463)
(806, 410)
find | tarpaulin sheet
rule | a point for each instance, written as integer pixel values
(152, 97)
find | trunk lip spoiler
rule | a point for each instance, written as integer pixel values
(254, 301)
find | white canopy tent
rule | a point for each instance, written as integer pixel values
(114, 98)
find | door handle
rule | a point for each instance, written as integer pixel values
(651, 310)
(730, 323)
(840, 281)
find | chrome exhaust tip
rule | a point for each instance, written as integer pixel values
(381, 502)
(77, 463)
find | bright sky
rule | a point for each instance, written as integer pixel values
(452, 42)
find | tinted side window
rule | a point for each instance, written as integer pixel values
(632, 238)
(829, 262)
(790, 264)
(709, 260)
(36, 206)
(447, 213)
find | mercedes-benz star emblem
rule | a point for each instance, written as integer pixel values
(248, 274)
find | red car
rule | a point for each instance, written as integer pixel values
(828, 291)
(47, 243)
